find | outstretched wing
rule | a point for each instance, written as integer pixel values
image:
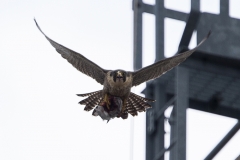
(80, 62)
(157, 69)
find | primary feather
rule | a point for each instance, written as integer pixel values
(80, 62)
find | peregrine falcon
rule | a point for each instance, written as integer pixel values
(118, 83)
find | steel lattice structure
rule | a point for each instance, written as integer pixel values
(208, 81)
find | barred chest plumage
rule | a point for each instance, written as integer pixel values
(119, 91)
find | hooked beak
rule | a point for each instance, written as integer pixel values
(119, 77)
(119, 74)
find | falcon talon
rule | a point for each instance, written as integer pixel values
(117, 84)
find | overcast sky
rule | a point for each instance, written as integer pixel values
(40, 117)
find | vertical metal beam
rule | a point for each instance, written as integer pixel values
(160, 95)
(159, 20)
(159, 87)
(137, 34)
(150, 125)
(155, 128)
(195, 5)
(191, 24)
(224, 8)
(182, 98)
(223, 142)
(190, 27)
(172, 122)
(155, 135)
(178, 116)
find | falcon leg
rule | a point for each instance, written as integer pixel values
(124, 105)
(106, 100)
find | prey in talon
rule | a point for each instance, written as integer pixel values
(116, 93)
(111, 111)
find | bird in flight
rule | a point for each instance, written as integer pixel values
(118, 83)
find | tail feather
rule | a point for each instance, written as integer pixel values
(90, 99)
(142, 98)
(134, 104)
(93, 99)
(89, 94)
(137, 103)
(130, 107)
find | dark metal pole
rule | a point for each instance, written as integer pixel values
(161, 96)
(159, 86)
(159, 20)
(137, 34)
(224, 8)
(223, 142)
(172, 122)
(182, 101)
(150, 125)
(191, 24)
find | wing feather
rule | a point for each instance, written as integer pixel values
(80, 62)
(159, 68)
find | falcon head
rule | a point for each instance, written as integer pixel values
(119, 75)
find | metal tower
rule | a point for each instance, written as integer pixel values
(208, 81)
